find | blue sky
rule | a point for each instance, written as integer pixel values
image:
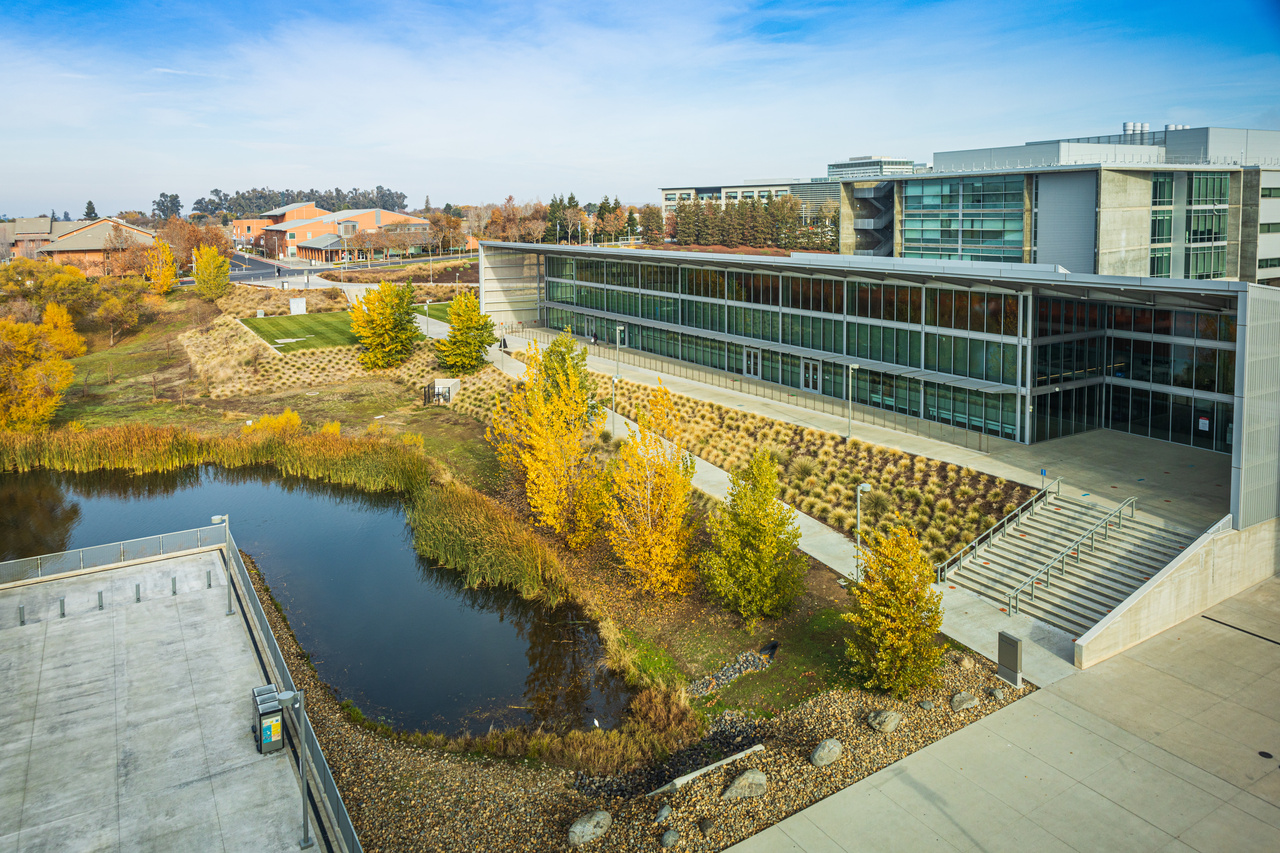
(120, 101)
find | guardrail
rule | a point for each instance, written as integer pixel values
(100, 556)
(956, 561)
(1072, 549)
(323, 776)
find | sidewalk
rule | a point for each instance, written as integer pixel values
(1158, 748)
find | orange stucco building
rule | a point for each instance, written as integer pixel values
(305, 231)
(88, 246)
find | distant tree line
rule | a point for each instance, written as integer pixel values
(781, 222)
(244, 204)
(565, 220)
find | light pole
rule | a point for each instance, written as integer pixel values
(225, 520)
(848, 428)
(617, 370)
(295, 701)
(862, 487)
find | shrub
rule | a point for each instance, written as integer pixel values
(804, 467)
(896, 616)
(285, 423)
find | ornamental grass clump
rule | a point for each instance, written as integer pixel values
(896, 616)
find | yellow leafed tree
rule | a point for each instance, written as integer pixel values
(161, 270)
(652, 478)
(545, 432)
(34, 372)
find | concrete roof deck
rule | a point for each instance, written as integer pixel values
(128, 728)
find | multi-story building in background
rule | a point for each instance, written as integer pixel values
(1199, 203)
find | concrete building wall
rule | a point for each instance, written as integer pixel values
(1066, 230)
(1220, 564)
(1124, 223)
(1255, 483)
(510, 284)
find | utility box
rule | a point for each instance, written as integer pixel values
(268, 719)
(298, 305)
(1009, 659)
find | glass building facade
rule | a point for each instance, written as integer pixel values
(1019, 366)
(973, 219)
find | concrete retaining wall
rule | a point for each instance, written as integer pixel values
(1221, 563)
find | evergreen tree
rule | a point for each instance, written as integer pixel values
(651, 223)
(752, 563)
(470, 335)
(89, 211)
(731, 228)
(383, 322)
(686, 234)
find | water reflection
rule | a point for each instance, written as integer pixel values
(397, 634)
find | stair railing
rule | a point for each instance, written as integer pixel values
(1059, 560)
(956, 561)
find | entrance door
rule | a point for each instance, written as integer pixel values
(811, 376)
(751, 363)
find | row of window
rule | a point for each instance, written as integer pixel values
(989, 192)
(1268, 263)
(1269, 228)
(1203, 188)
(1179, 418)
(1176, 365)
(993, 414)
(1271, 192)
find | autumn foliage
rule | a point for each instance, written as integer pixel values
(652, 478)
(896, 616)
(384, 324)
(34, 372)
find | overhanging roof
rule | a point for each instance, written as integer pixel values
(1044, 279)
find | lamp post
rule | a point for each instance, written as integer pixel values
(225, 520)
(295, 701)
(617, 370)
(862, 487)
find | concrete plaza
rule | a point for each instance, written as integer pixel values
(1159, 748)
(127, 728)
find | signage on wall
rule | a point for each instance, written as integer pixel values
(1204, 424)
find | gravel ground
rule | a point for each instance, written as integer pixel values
(408, 798)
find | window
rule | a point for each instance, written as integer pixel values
(669, 197)
(1161, 259)
(1161, 189)
(308, 235)
(1269, 263)
(1162, 226)
(293, 236)
(1209, 188)
(1205, 226)
(1271, 192)
(1269, 228)
(1205, 262)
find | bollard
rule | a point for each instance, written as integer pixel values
(62, 607)
(208, 579)
(137, 593)
(1009, 659)
(174, 580)
(99, 599)
(22, 614)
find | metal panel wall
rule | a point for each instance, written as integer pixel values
(1067, 220)
(1255, 480)
(509, 284)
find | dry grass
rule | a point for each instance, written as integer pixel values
(244, 301)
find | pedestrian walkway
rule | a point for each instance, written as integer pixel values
(1173, 745)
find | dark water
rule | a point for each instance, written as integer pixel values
(386, 628)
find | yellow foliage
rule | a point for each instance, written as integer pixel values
(33, 375)
(544, 432)
(161, 269)
(652, 478)
(284, 424)
(61, 332)
(331, 428)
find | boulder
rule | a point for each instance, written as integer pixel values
(963, 701)
(589, 827)
(663, 814)
(670, 838)
(996, 694)
(827, 752)
(706, 826)
(926, 705)
(752, 783)
(884, 721)
(966, 662)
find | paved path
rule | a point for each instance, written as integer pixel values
(127, 728)
(1155, 749)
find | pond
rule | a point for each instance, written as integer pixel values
(396, 634)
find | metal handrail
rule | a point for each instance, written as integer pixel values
(109, 554)
(1072, 550)
(1027, 508)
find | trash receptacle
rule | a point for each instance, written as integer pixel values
(268, 719)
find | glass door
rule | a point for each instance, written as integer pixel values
(751, 362)
(811, 376)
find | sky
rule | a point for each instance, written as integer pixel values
(472, 101)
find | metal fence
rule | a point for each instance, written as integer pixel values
(96, 556)
(323, 777)
(870, 415)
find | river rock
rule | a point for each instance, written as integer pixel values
(926, 705)
(963, 701)
(884, 721)
(996, 694)
(706, 826)
(663, 814)
(966, 662)
(589, 827)
(670, 838)
(827, 752)
(753, 783)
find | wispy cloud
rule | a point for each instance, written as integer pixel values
(473, 101)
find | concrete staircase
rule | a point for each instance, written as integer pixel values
(1134, 549)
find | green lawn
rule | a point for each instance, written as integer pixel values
(309, 331)
(436, 311)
